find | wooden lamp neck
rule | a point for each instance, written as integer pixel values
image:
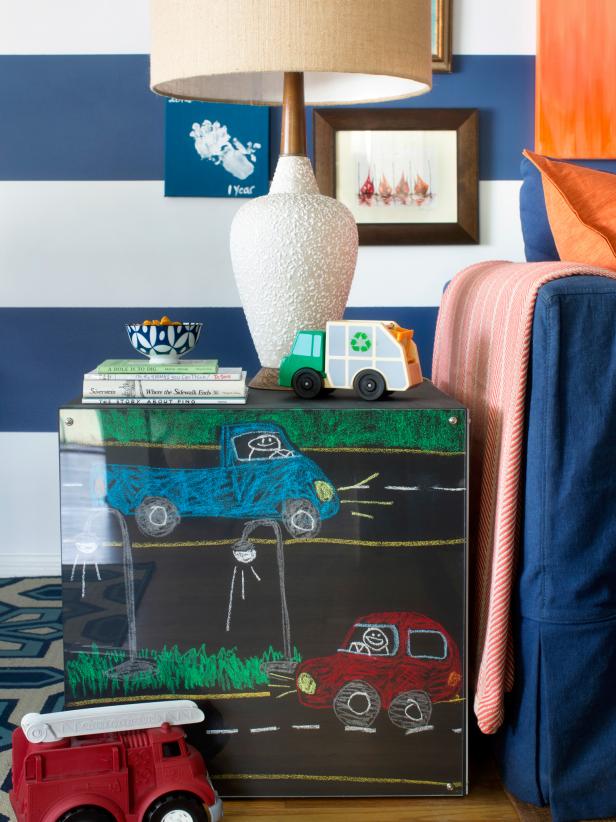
(293, 137)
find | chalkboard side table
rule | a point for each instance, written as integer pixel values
(296, 567)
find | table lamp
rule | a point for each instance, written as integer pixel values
(294, 250)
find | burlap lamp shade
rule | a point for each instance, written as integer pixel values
(294, 250)
(350, 51)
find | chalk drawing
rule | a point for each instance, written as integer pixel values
(398, 662)
(261, 475)
(245, 553)
(360, 514)
(268, 729)
(85, 549)
(419, 730)
(366, 502)
(194, 669)
(361, 485)
(440, 488)
(402, 487)
(87, 544)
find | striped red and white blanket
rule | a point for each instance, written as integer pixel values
(481, 357)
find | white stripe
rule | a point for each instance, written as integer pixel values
(212, 731)
(402, 487)
(440, 488)
(112, 244)
(29, 504)
(306, 727)
(121, 243)
(264, 730)
(494, 26)
(121, 27)
(74, 27)
(360, 730)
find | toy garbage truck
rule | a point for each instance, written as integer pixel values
(370, 356)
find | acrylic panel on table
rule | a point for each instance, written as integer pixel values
(575, 101)
(299, 572)
(216, 150)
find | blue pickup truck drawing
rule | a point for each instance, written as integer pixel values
(261, 475)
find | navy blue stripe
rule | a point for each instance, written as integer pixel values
(79, 117)
(92, 117)
(51, 348)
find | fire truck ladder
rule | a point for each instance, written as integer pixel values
(141, 715)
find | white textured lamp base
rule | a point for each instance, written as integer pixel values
(293, 253)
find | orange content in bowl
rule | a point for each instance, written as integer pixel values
(163, 321)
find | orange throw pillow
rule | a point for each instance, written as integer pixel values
(581, 206)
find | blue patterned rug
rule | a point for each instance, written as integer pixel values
(31, 673)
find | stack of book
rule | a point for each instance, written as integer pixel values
(135, 382)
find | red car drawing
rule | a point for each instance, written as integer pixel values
(401, 662)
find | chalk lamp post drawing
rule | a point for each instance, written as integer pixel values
(371, 357)
(244, 552)
(86, 546)
(409, 176)
(294, 250)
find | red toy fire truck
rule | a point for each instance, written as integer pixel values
(128, 763)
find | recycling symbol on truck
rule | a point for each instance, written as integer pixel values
(360, 341)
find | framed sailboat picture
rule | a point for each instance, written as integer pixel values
(408, 176)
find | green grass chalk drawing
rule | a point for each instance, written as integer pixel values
(422, 429)
(176, 671)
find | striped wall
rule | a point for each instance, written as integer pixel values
(87, 240)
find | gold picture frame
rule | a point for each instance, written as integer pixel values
(441, 35)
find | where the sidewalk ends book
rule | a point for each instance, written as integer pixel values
(190, 385)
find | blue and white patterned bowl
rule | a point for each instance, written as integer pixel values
(164, 343)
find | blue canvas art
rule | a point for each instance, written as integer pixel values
(216, 150)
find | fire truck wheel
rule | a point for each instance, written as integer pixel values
(370, 385)
(177, 807)
(357, 704)
(86, 813)
(301, 518)
(307, 383)
(157, 517)
(412, 709)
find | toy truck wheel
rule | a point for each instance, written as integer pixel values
(357, 704)
(411, 709)
(177, 807)
(86, 813)
(301, 518)
(157, 517)
(307, 383)
(370, 385)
